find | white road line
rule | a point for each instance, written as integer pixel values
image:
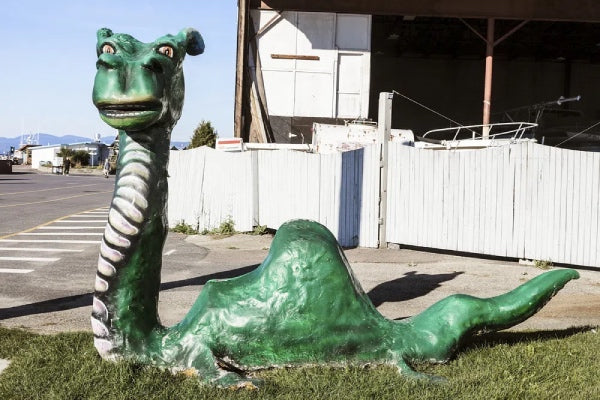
(60, 234)
(47, 241)
(72, 227)
(168, 253)
(71, 221)
(81, 221)
(14, 271)
(33, 259)
(38, 249)
(95, 213)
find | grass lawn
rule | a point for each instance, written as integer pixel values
(532, 365)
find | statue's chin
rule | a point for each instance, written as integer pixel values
(130, 120)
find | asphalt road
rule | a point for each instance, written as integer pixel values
(28, 199)
(50, 232)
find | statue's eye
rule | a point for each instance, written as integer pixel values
(167, 51)
(107, 48)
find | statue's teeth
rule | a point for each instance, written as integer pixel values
(134, 182)
(118, 222)
(100, 309)
(105, 268)
(139, 154)
(103, 346)
(136, 168)
(110, 254)
(132, 196)
(113, 237)
(101, 285)
(99, 328)
(128, 209)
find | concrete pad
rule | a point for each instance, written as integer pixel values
(4, 364)
(233, 242)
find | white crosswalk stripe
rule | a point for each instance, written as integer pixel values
(33, 259)
(81, 221)
(47, 241)
(70, 227)
(38, 250)
(61, 234)
(25, 251)
(14, 271)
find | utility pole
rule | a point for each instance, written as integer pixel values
(384, 132)
(487, 91)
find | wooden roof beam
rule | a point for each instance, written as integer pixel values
(544, 10)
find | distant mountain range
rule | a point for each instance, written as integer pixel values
(47, 139)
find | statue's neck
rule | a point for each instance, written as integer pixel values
(131, 252)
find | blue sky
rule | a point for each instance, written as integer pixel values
(48, 61)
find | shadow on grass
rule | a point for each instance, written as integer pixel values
(85, 300)
(515, 337)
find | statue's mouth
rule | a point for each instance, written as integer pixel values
(129, 110)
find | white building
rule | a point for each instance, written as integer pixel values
(98, 153)
(43, 154)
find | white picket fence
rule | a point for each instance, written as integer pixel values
(523, 201)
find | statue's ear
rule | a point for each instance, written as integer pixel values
(103, 33)
(192, 41)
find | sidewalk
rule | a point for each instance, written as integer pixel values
(401, 283)
(72, 171)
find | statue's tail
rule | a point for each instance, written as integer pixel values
(439, 329)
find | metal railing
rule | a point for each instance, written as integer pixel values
(508, 130)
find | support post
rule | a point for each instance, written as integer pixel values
(238, 123)
(384, 132)
(487, 92)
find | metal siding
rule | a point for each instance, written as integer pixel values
(288, 186)
(353, 32)
(308, 88)
(330, 165)
(369, 215)
(523, 201)
(186, 180)
(203, 194)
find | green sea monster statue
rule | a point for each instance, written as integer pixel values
(302, 305)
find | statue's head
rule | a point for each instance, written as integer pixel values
(139, 84)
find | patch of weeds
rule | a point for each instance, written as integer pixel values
(233, 248)
(227, 228)
(259, 230)
(184, 228)
(543, 264)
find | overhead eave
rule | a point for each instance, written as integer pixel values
(546, 10)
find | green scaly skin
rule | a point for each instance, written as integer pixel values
(302, 305)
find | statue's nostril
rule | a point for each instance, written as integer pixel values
(153, 65)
